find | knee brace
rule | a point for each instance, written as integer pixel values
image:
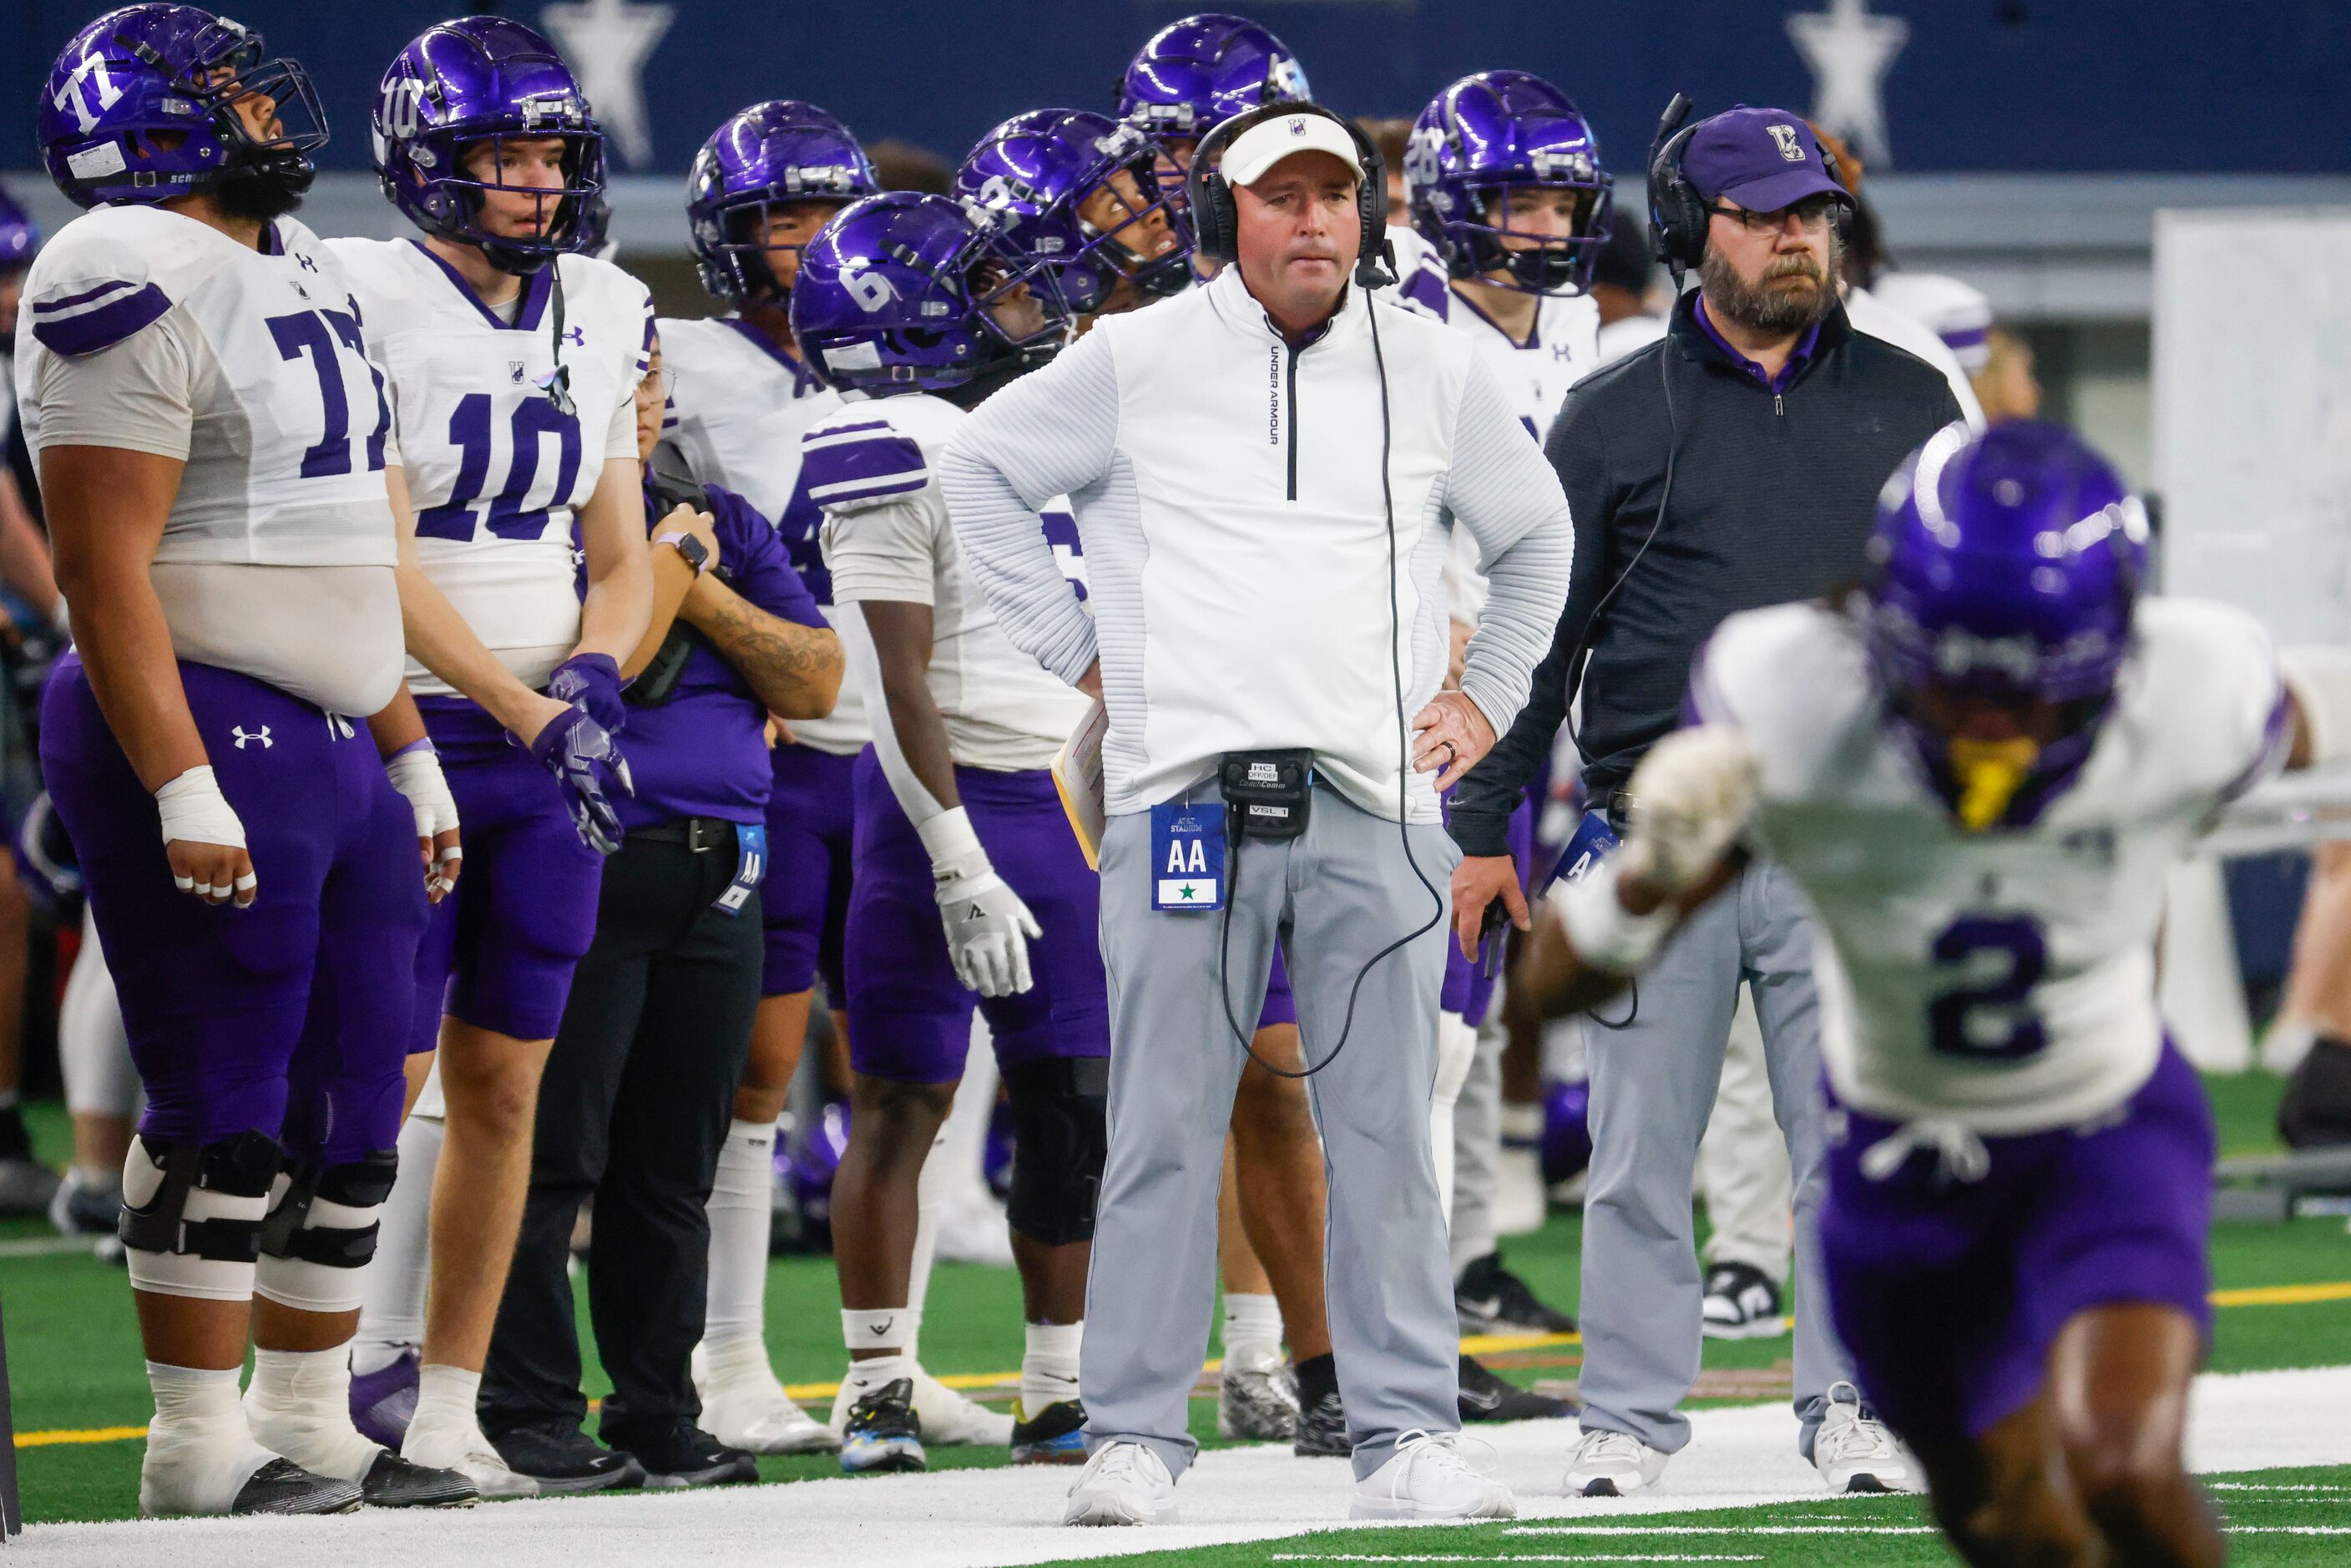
(191, 1214)
(322, 1230)
(1061, 1134)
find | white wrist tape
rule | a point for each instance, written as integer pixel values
(1605, 934)
(2320, 681)
(193, 809)
(953, 845)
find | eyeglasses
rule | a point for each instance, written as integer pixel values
(1812, 216)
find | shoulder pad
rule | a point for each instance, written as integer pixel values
(96, 283)
(860, 456)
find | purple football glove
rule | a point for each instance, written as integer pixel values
(591, 681)
(588, 767)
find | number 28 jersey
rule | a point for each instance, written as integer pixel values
(2003, 979)
(495, 468)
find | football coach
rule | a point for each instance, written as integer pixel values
(1264, 471)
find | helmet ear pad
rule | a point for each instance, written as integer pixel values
(1216, 220)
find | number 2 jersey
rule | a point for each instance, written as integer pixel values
(149, 331)
(495, 468)
(872, 466)
(2002, 980)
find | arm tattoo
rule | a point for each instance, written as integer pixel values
(794, 669)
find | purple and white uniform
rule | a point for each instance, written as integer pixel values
(2014, 1140)
(871, 465)
(741, 405)
(149, 331)
(496, 471)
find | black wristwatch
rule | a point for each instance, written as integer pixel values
(697, 553)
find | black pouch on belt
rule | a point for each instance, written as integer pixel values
(1267, 794)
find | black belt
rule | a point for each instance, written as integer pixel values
(700, 835)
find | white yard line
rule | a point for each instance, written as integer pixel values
(979, 1518)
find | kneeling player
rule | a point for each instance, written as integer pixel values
(212, 444)
(1979, 768)
(960, 835)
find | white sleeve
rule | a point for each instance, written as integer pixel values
(885, 550)
(138, 395)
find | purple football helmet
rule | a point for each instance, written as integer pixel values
(144, 72)
(1041, 170)
(484, 78)
(1484, 137)
(20, 236)
(1567, 1130)
(904, 292)
(2003, 571)
(777, 152)
(1195, 74)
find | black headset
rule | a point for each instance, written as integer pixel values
(1215, 225)
(1678, 214)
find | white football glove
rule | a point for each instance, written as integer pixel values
(987, 927)
(416, 774)
(1690, 796)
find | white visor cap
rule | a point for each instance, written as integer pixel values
(1268, 142)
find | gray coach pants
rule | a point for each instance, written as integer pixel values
(1653, 1087)
(1339, 894)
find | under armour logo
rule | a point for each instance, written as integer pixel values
(1789, 148)
(576, 336)
(243, 734)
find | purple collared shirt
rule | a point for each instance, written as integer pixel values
(1796, 356)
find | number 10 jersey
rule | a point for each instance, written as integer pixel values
(2004, 979)
(495, 466)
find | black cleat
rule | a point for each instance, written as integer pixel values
(678, 1455)
(1741, 1302)
(393, 1482)
(564, 1460)
(1056, 1436)
(884, 1434)
(281, 1486)
(1323, 1429)
(1486, 1398)
(1490, 1299)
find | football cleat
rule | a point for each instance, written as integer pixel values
(1853, 1449)
(1490, 1299)
(394, 1482)
(750, 1410)
(281, 1486)
(27, 1185)
(1486, 1398)
(1741, 1302)
(1323, 1429)
(884, 1434)
(1257, 1399)
(1613, 1464)
(1056, 1436)
(951, 1420)
(561, 1459)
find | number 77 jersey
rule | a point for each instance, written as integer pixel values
(2002, 980)
(497, 466)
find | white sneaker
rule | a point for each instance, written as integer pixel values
(459, 1446)
(972, 1229)
(949, 1418)
(1123, 1483)
(748, 1409)
(1611, 1464)
(1428, 1477)
(1257, 1397)
(1853, 1449)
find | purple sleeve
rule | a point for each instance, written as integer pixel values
(860, 461)
(755, 560)
(95, 317)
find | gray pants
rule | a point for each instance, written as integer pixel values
(1338, 895)
(1653, 1087)
(1478, 1144)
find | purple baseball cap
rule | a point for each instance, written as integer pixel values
(1763, 159)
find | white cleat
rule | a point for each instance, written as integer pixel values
(1613, 1464)
(972, 1229)
(1123, 1483)
(748, 1408)
(459, 1446)
(1853, 1449)
(1428, 1477)
(949, 1420)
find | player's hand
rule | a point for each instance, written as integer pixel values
(588, 767)
(1450, 737)
(592, 683)
(1688, 800)
(987, 928)
(204, 840)
(1478, 880)
(415, 772)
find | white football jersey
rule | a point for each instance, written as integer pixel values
(2003, 979)
(496, 469)
(270, 398)
(741, 405)
(872, 466)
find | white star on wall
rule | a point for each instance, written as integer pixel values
(1850, 51)
(607, 43)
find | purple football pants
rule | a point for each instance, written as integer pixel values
(811, 823)
(289, 1018)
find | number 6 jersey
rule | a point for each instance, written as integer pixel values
(495, 467)
(2002, 980)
